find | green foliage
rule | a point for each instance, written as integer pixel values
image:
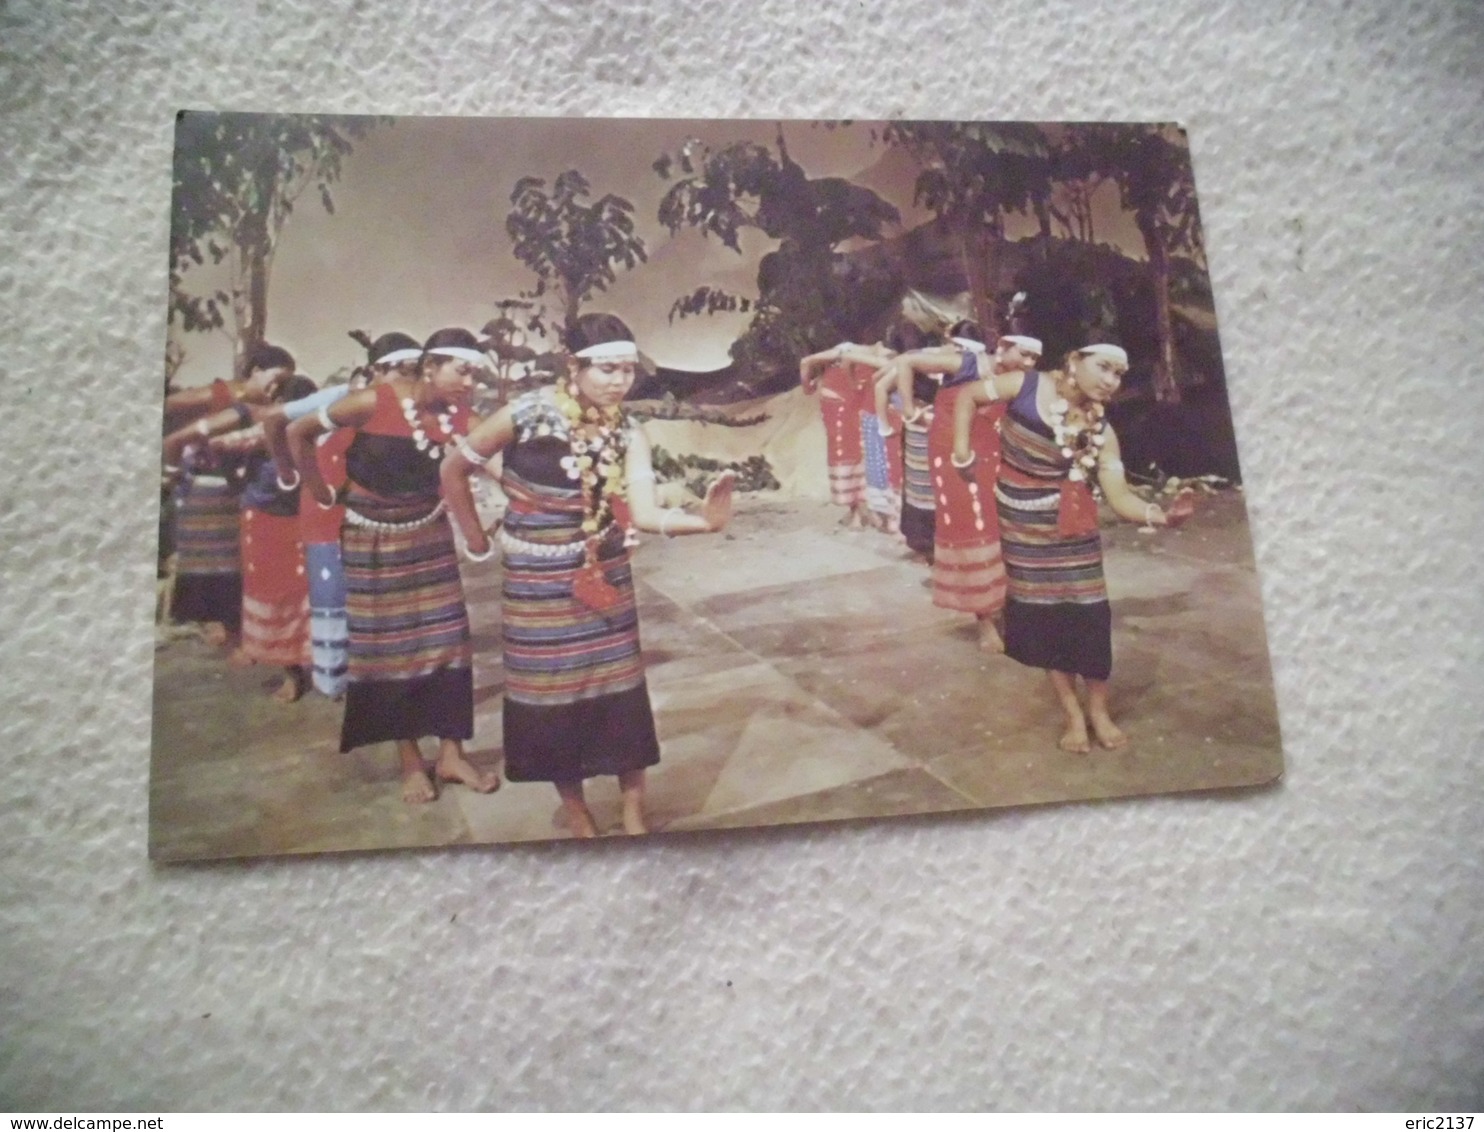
(237, 179)
(806, 298)
(1150, 164)
(974, 172)
(573, 247)
(698, 472)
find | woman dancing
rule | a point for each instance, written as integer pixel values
(578, 476)
(208, 582)
(840, 376)
(1055, 440)
(409, 672)
(968, 570)
(393, 354)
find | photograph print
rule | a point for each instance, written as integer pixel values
(530, 479)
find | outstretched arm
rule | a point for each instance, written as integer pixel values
(277, 420)
(899, 371)
(999, 387)
(1121, 497)
(810, 367)
(351, 411)
(216, 424)
(463, 460)
(716, 509)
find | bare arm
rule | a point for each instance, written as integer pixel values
(350, 411)
(716, 509)
(1121, 497)
(899, 371)
(276, 433)
(484, 440)
(845, 352)
(228, 420)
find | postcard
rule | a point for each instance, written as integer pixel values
(529, 479)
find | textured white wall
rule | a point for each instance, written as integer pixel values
(1313, 946)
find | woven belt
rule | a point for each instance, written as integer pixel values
(356, 519)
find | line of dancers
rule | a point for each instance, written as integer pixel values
(341, 563)
(990, 469)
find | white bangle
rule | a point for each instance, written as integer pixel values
(171, 469)
(330, 506)
(1149, 510)
(485, 557)
(468, 452)
(203, 427)
(969, 464)
(289, 486)
(665, 520)
(324, 419)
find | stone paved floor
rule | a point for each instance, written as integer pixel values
(799, 672)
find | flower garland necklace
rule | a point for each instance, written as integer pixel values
(1082, 444)
(598, 443)
(416, 420)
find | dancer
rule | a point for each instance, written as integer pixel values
(208, 583)
(409, 672)
(1055, 442)
(391, 355)
(839, 375)
(578, 475)
(968, 570)
(275, 588)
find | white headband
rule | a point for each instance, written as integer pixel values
(1117, 353)
(1029, 345)
(404, 355)
(968, 344)
(605, 351)
(462, 353)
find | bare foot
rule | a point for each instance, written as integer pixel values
(290, 690)
(456, 768)
(1074, 739)
(1107, 732)
(214, 633)
(239, 659)
(417, 787)
(990, 640)
(580, 821)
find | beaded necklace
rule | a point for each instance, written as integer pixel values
(1082, 444)
(418, 421)
(598, 441)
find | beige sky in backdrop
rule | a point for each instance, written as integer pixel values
(417, 240)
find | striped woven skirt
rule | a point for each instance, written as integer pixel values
(208, 584)
(275, 590)
(409, 667)
(968, 570)
(917, 486)
(1057, 616)
(838, 405)
(576, 701)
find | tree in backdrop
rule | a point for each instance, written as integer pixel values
(237, 180)
(508, 339)
(808, 297)
(1150, 164)
(973, 174)
(574, 246)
